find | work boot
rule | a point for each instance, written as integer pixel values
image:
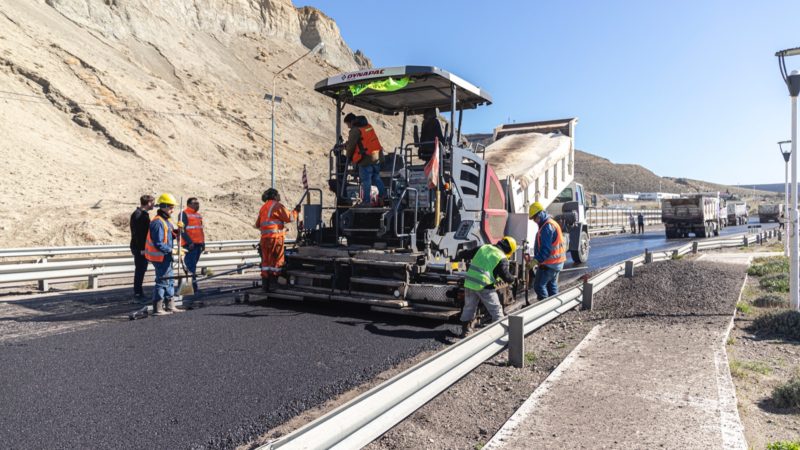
(170, 306)
(158, 308)
(466, 329)
(265, 284)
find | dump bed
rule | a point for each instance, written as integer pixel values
(696, 209)
(536, 157)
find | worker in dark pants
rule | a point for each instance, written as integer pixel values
(640, 218)
(549, 252)
(158, 250)
(487, 263)
(140, 226)
(632, 223)
(193, 238)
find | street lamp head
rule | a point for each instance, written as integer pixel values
(786, 149)
(792, 79)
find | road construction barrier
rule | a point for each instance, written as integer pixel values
(366, 417)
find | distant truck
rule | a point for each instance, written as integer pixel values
(737, 213)
(698, 214)
(770, 212)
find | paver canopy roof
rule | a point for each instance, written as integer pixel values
(392, 90)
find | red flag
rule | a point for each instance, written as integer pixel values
(305, 178)
(432, 168)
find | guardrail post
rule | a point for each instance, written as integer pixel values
(779, 235)
(648, 256)
(758, 239)
(93, 282)
(744, 241)
(44, 285)
(516, 341)
(239, 270)
(675, 254)
(695, 247)
(588, 294)
(628, 269)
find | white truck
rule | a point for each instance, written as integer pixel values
(697, 214)
(737, 213)
(770, 212)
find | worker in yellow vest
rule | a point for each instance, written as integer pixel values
(488, 263)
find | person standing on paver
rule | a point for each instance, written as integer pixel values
(549, 252)
(193, 236)
(632, 223)
(158, 250)
(641, 223)
(487, 263)
(140, 226)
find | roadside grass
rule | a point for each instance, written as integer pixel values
(740, 369)
(778, 282)
(743, 307)
(787, 395)
(783, 323)
(784, 445)
(530, 358)
(771, 301)
(731, 341)
(769, 265)
(81, 285)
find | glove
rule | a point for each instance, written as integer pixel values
(178, 251)
(180, 225)
(297, 209)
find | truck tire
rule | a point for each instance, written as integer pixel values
(581, 255)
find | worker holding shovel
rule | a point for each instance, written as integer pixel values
(271, 220)
(158, 250)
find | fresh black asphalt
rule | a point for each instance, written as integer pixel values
(209, 378)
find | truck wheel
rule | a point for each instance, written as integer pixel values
(581, 255)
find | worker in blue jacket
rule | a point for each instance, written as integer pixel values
(549, 252)
(158, 250)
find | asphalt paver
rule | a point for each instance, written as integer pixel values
(209, 378)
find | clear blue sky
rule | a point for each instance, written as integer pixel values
(684, 88)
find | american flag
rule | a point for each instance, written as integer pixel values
(305, 178)
(432, 168)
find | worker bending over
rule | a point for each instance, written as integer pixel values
(158, 250)
(363, 150)
(549, 252)
(272, 219)
(193, 237)
(487, 263)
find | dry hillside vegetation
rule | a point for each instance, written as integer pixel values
(102, 101)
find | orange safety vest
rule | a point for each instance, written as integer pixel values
(151, 252)
(368, 144)
(194, 227)
(558, 254)
(271, 224)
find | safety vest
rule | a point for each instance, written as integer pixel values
(271, 226)
(194, 227)
(151, 252)
(481, 268)
(367, 144)
(559, 254)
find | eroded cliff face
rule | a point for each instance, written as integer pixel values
(104, 100)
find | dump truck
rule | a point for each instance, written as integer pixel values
(696, 214)
(402, 257)
(770, 212)
(737, 213)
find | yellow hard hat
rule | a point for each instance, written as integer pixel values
(166, 199)
(535, 209)
(512, 244)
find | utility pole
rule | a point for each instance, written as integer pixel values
(786, 152)
(792, 81)
(274, 98)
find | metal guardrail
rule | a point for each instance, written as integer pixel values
(366, 417)
(46, 252)
(608, 217)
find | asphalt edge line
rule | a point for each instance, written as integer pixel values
(731, 426)
(513, 423)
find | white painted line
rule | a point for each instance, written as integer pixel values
(513, 423)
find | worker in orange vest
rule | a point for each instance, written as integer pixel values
(364, 150)
(158, 250)
(549, 252)
(193, 238)
(272, 219)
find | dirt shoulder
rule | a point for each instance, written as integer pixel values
(759, 364)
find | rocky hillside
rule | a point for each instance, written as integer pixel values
(104, 100)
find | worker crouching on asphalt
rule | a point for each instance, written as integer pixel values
(271, 221)
(549, 252)
(364, 150)
(193, 237)
(487, 263)
(158, 250)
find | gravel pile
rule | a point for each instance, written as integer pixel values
(672, 290)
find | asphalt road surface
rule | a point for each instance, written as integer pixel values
(214, 377)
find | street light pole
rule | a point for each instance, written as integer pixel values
(274, 98)
(786, 152)
(793, 83)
